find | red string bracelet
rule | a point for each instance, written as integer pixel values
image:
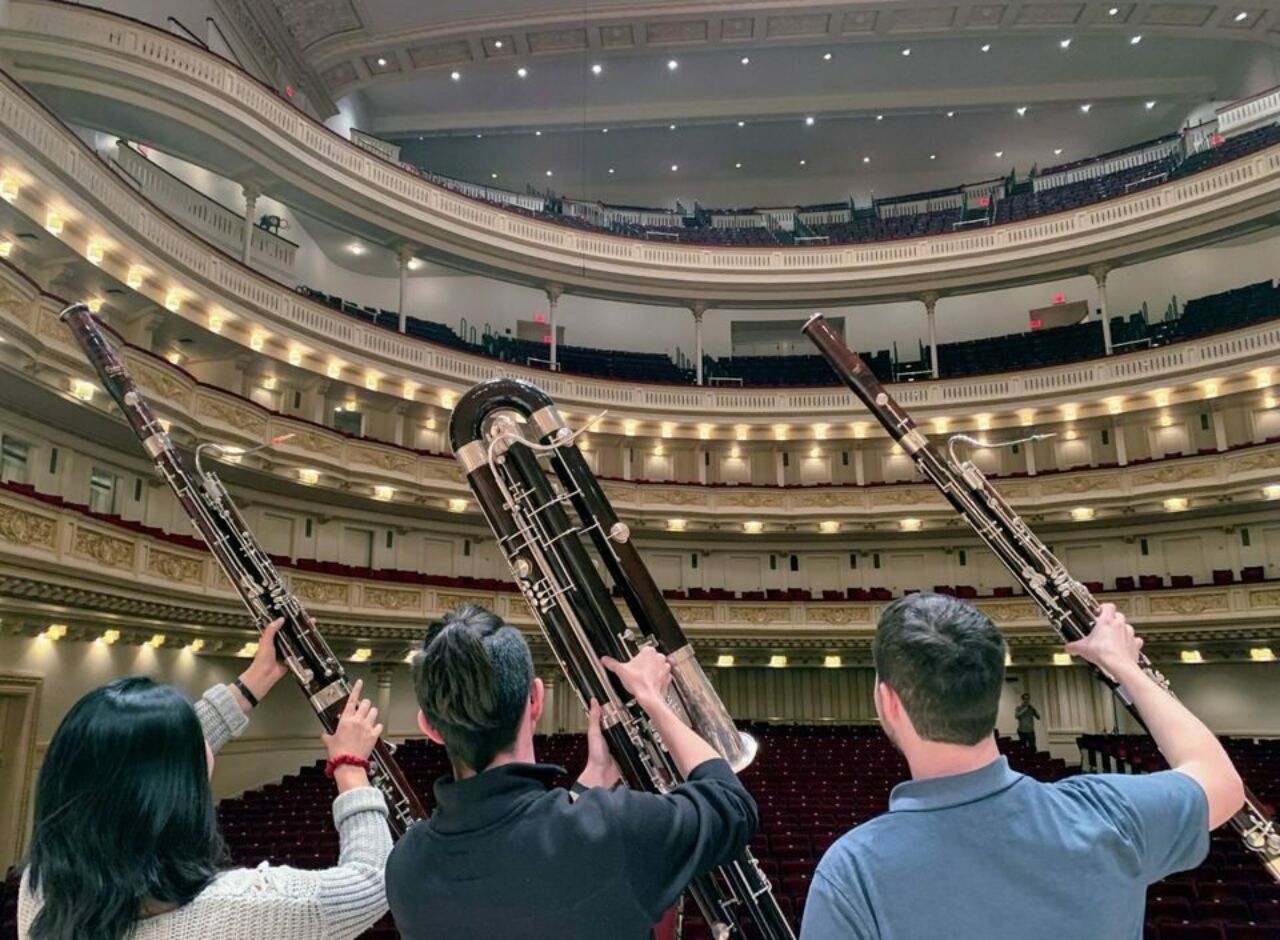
(344, 760)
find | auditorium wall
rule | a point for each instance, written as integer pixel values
(1232, 698)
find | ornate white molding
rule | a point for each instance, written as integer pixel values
(75, 49)
(143, 570)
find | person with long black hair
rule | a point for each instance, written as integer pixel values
(126, 842)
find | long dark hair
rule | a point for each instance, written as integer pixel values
(472, 681)
(124, 813)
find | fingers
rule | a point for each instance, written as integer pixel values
(610, 663)
(377, 731)
(353, 700)
(270, 630)
(593, 713)
(362, 709)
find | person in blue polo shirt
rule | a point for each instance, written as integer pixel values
(505, 854)
(971, 850)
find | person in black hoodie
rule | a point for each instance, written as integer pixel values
(505, 854)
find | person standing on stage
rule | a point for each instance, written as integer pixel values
(970, 849)
(125, 844)
(505, 854)
(1027, 717)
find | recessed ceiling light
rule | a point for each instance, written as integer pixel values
(907, 51)
(604, 130)
(746, 60)
(548, 172)
(493, 176)
(742, 123)
(933, 156)
(674, 167)
(672, 65)
(522, 72)
(479, 136)
(1134, 40)
(610, 169)
(456, 76)
(537, 133)
(1064, 44)
(597, 69)
(879, 117)
(986, 47)
(737, 166)
(1086, 108)
(866, 159)
(356, 248)
(382, 63)
(951, 114)
(1113, 11)
(1241, 16)
(999, 153)
(1022, 110)
(497, 44)
(826, 57)
(803, 162)
(1150, 105)
(808, 122)
(671, 127)
(1057, 151)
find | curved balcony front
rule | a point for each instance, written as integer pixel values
(102, 69)
(196, 281)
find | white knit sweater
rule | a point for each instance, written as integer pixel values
(275, 902)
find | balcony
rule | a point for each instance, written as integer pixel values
(84, 60)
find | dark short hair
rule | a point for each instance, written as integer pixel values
(472, 681)
(124, 812)
(945, 659)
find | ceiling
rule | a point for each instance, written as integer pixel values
(394, 63)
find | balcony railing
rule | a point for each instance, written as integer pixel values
(64, 37)
(83, 550)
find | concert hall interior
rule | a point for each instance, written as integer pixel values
(309, 227)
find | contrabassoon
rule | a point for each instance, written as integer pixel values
(248, 567)
(544, 523)
(1069, 606)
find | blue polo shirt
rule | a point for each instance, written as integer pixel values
(993, 854)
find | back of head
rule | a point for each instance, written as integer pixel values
(945, 659)
(124, 812)
(472, 680)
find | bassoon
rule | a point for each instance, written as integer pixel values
(547, 525)
(248, 567)
(1069, 606)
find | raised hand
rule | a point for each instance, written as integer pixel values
(646, 675)
(1111, 645)
(358, 729)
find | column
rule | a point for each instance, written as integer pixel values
(251, 194)
(402, 435)
(1029, 449)
(700, 458)
(859, 468)
(383, 673)
(930, 299)
(550, 723)
(553, 300)
(1099, 272)
(1219, 429)
(403, 257)
(781, 470)
(626, 461)
(697, 308)
(1122, 450)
